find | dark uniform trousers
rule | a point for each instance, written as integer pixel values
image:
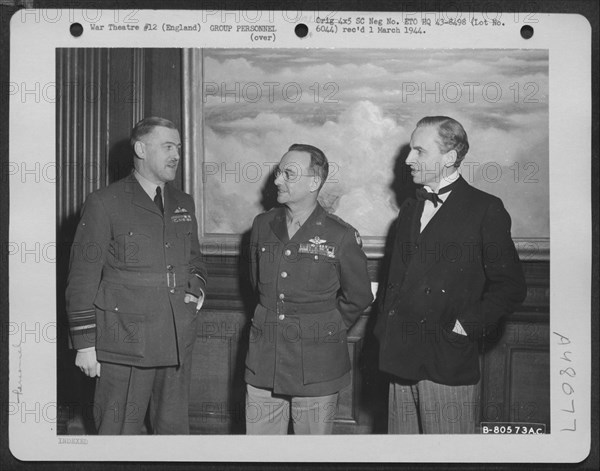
(130, 268)
(311, 288)
(124, 393)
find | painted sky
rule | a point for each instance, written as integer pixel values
(360, 106)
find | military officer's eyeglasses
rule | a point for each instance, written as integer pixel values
(288, 175)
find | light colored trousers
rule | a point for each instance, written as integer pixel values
(269, 414)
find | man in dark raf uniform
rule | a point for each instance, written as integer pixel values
(136, 283)
(311, 276)
(454, 273)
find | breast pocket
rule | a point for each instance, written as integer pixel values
(132, 243)
(318, 272)
(184, 236)
(267, 264)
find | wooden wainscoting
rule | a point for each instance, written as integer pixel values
(516, 368)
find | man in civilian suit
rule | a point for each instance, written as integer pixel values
(454, 273)
(311, 275)
(136, 283)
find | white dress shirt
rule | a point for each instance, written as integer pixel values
(149, 187)
(429, 209)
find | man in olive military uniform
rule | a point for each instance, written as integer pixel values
(135, 286)
(311, 275)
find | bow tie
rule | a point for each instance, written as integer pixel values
(422, 194)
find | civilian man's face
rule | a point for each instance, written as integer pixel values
(159, 154)
(427, 163)
(295, 182)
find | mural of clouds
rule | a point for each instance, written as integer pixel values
(360, 107)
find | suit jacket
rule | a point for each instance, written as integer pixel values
(130, 268)
(463, 266)
(311, 289)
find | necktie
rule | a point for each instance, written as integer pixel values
(158, 200)
(422, 194)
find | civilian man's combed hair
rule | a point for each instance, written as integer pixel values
(146, 125)
(318, 161)
(452, 135)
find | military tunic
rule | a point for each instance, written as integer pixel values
(312, 288)
(129, 271)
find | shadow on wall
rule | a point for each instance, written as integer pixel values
(374, 383)
(120, 161)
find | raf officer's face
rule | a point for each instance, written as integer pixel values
(427, 163)
(159, 156)
(294, 179)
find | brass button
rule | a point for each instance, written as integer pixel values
(116, 308)
(281, 317)
(392, 312)
(170, 267)
(281, 296)
(262, 249)
(283, 274)
(172, 291)
(130, 233)
(316, 257)
(167, 245)
(423, 321)
(427, 290)
(287, 253)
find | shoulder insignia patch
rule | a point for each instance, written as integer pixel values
(358, 239)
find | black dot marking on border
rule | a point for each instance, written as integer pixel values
(526, 32)
(301, 30)
(76, 30)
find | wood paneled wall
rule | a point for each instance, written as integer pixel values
(104, 93)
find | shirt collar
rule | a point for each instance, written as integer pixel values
(445, 181)
(299, 217)
(147, 185)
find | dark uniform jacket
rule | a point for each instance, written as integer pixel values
(311, 289)
(130, 268)
(463, 266)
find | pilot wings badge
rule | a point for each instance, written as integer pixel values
(317, 240)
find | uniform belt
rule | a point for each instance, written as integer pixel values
(139, 278)
(305, 307)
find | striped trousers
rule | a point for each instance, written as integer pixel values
(428, 407)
